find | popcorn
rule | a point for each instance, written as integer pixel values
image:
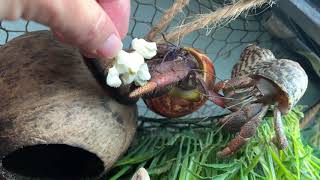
(147, 49)
(113, 79)
(130, 67)
(143, 75)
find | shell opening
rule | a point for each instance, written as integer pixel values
(283, 103)
(206, 64)
(57, 161)
(273, 93)
(282, 99)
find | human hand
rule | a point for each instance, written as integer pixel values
(95, 26)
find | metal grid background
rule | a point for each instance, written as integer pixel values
(223, 45)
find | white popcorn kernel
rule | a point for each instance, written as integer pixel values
(146, 49)
(122, 57)
(129, 62)
(130, 67)
(128, 78)
(143, 73)
(113, 79)
(122, 68)
(135, 61)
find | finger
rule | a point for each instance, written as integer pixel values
(10, 9)
(119, 13)
(83, 23)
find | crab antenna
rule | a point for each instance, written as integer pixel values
(147, 88)
(165, 39)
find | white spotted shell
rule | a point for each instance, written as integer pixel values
(288, 75)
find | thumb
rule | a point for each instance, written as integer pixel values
(119, 12)
(80, 22)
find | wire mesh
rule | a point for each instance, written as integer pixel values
(223, 44)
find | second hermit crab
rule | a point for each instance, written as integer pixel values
(260, 81)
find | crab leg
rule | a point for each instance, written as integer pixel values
(212, 96)
(247, 131)
(220, 100)
(237, 91)
(281, 137)
(240, 99)
(233, 121)
(230, 86)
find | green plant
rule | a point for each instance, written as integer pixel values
(187, 149)
(311, 135)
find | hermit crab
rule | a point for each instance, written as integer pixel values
(182, 80)
(260, 81)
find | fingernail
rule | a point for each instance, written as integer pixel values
(110, 47)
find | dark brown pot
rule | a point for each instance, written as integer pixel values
(56, 120)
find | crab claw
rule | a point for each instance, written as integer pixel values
(163, 75)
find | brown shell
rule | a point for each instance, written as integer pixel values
(205, 64)
(171, 106)
(49, 96)
(250, 56)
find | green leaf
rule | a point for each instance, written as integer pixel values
(137, 159)
(173, 140)
(120, 173)
(157, 170)
(218, 166)
(217, 177)
(185, 162)
(282, 167)
(177, 164)
(253, 164)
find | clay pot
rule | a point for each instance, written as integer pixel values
(56, 120)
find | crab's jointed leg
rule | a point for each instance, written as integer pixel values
(237, 119)
(247, 131)
(279, 129)
(237, 92)
(230, 86)
(209, 92)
